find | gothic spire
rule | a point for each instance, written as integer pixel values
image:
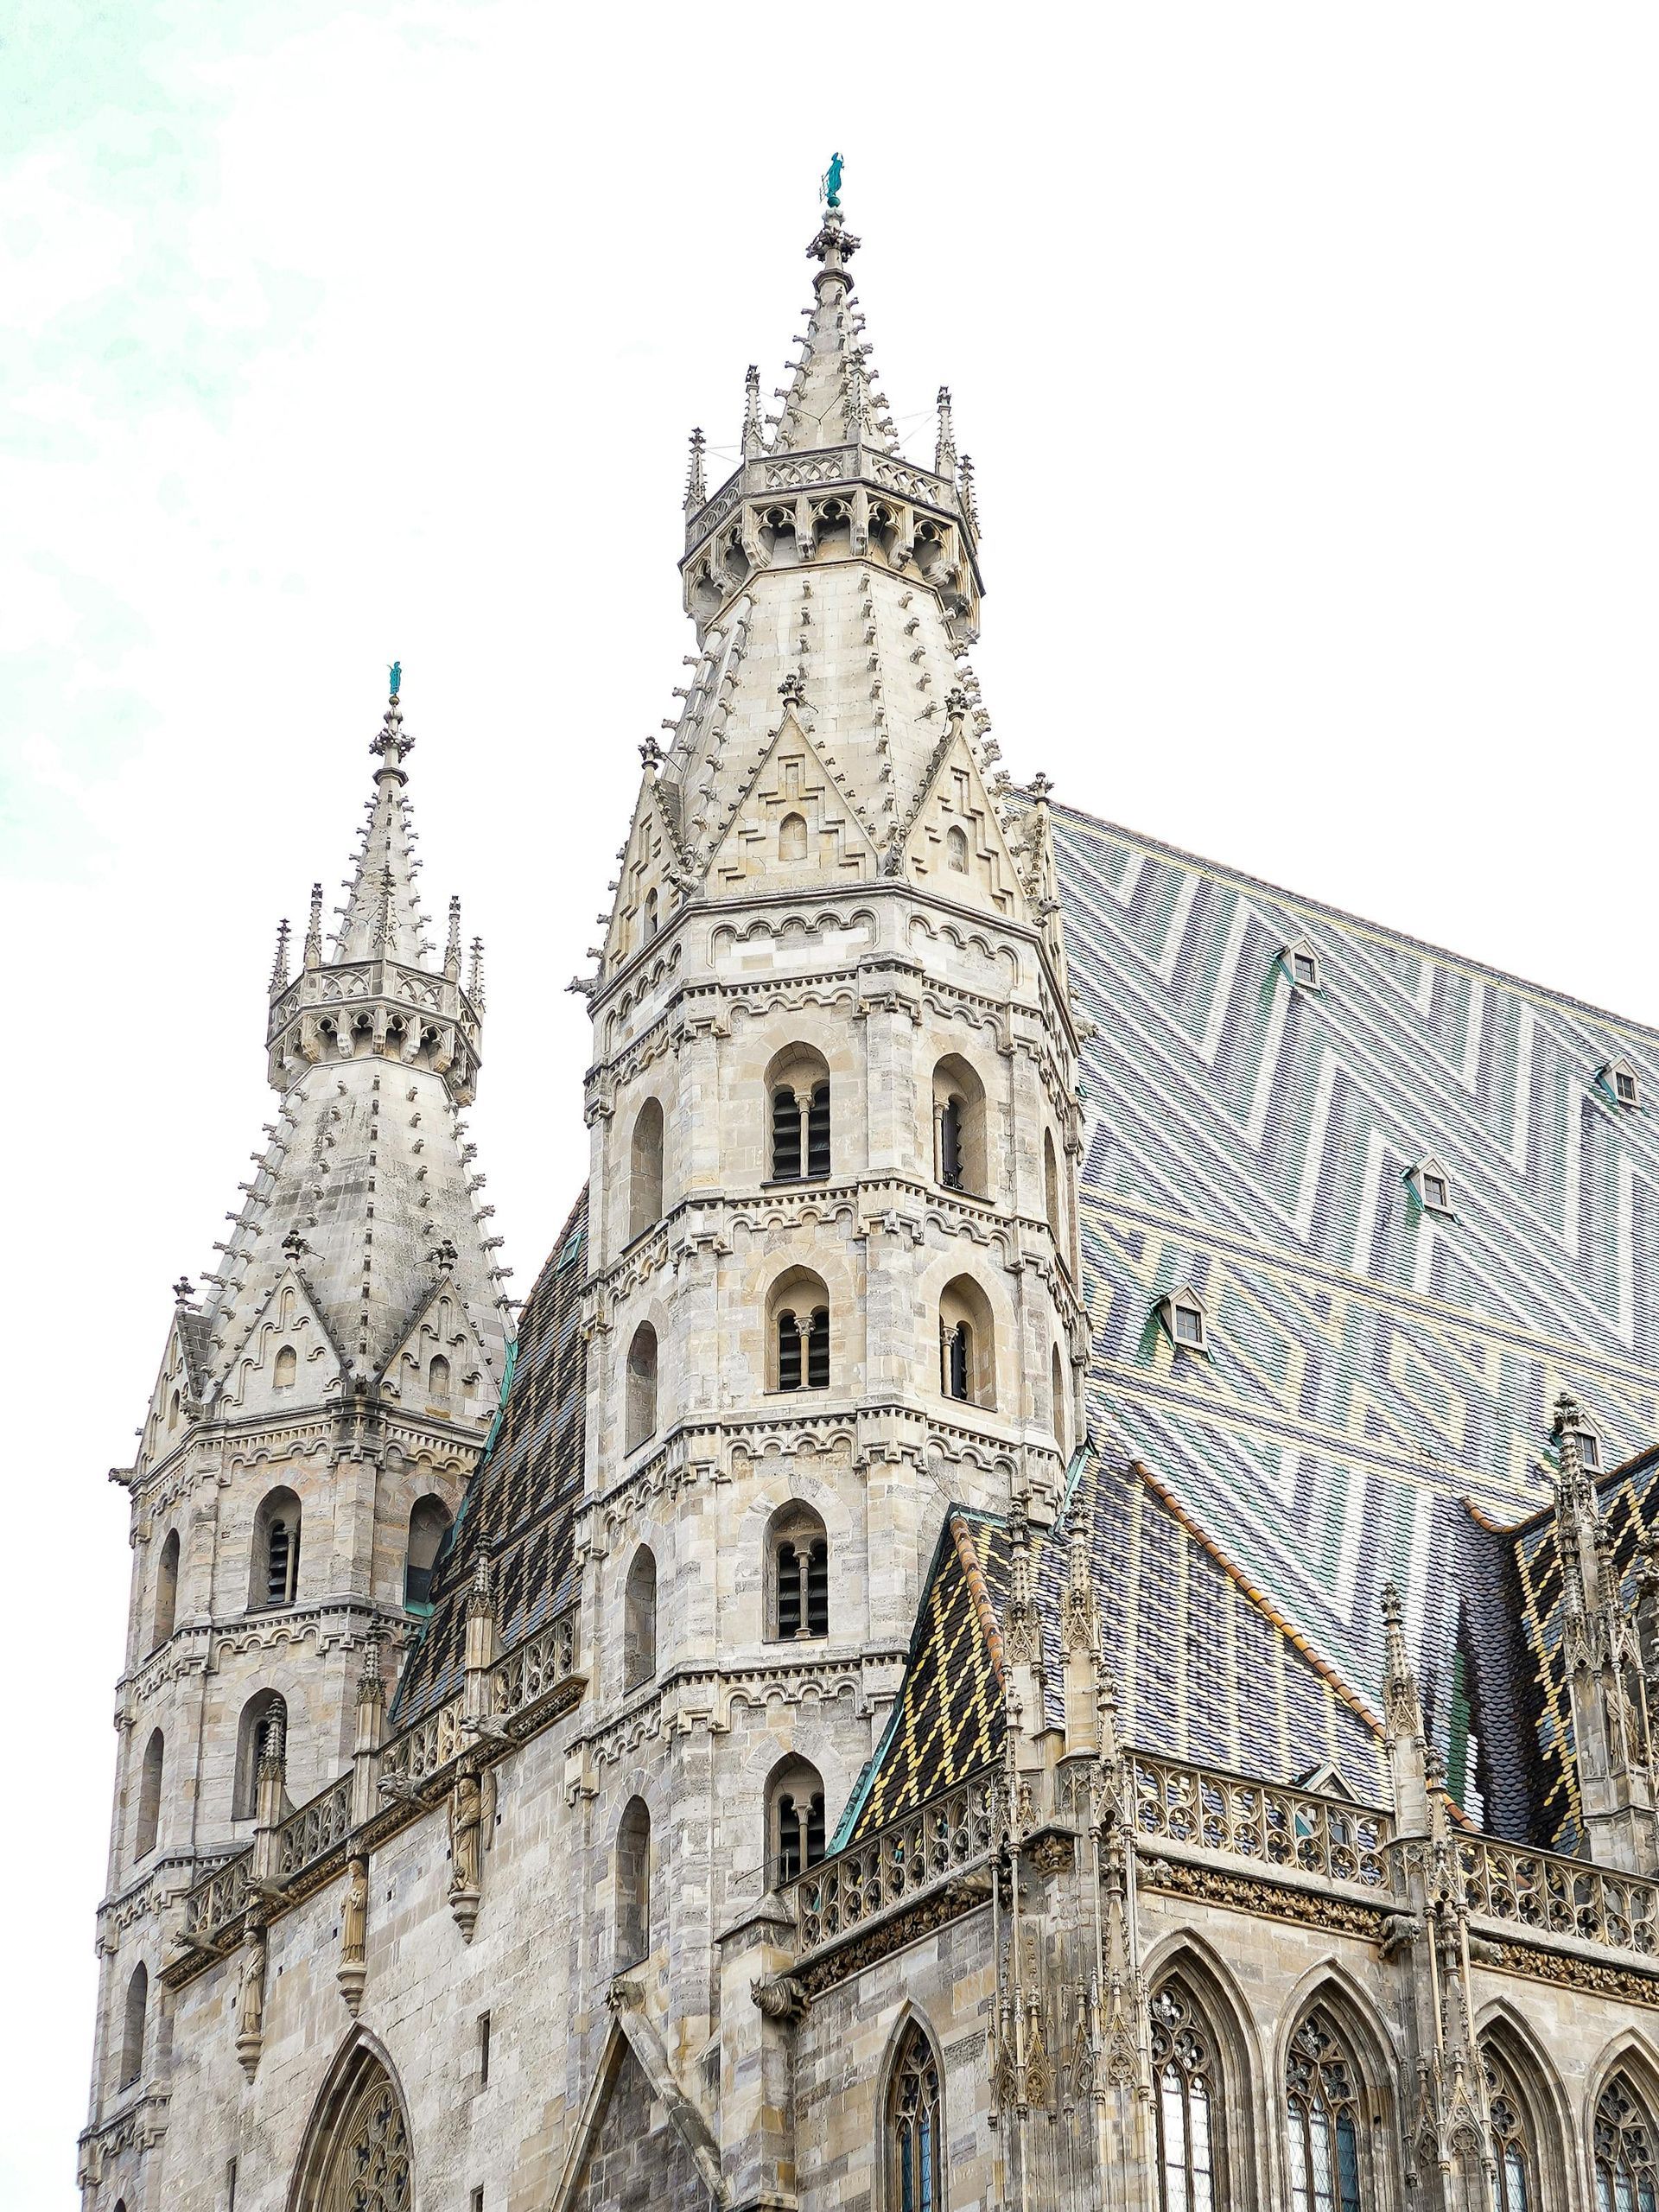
(830, 402)
(383, 915)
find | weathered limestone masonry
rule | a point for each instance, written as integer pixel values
(776, 1734)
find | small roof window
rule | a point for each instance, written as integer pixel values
(1433, 1185)
(1184, 1315)
(1571, 1421)
(1618, 1080)
(1303, 965)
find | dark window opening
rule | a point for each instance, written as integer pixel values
(786, 1135)
(950, 1144)
(958, 1361)
(818, 1131)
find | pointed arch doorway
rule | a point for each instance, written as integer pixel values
(357, 2155)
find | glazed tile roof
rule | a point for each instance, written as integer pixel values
(1203, 1668)
(521, 1502)
(1373, 1365)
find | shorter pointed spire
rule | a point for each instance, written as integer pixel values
(967, 494)
(279, 965)
(452, 950)
(313, 930)
(696, 483)
(754, 433)
(944, 444)
(475, 975)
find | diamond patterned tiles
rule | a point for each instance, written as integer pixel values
(521, 1504)
(1374, 1364)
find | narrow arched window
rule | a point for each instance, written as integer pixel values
(646, 1169)
(795, 1824)
(166, 1590)
(437, 1379)
(1186, 2093)
(639, 1620)
(429, 1523)
(1056, 1396)
(133, 2027)
(791, 837)
(275, 1576)
(651, 915)
(262, 1707)
(641, 1411)
(914, 2145)
(633, 1880)
(785, 1137)
(798, 1091)
(956, 850)
(173, 1411)
(959, 1153)
(950, 1144)
(286, 1368)
(1627, 2151)
(1514, 2178)
(967, 1345)
(798, 1573)
(818, 1130)
(1322, 2112)
(1052, 1185)
(150, 1795)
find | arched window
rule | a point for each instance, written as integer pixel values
(791, 837)
(286, 1368)
(263, 1706)
(166, 1590)
(1322, 2111)
(798, 1573)
(967, 1345)
(356, 2151)
(1056, 1396)
(173, 1411)
(133, 2027)
(437, 1379)
(429, 1523)
(1627, 2151)
(646, 1169)
(1188, 2099)
(956, 850)
(915, 2135)
(639, 1620)
(276, 1575)
(1052, 1185)
(641, 1411)
(651, 915)
(959, 1160)
(632, 1884)
(795, 1828)
(797, 1319)
(1515, 2185)
(797, 1086)
(150, 1795)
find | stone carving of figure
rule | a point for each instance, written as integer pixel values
(250, 2000)
(354, 1918)
(466, 1816)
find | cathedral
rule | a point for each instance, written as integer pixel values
(1051, 1602)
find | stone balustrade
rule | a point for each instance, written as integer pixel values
(1549, 1895)
(1270, 1825)
(952, 1833)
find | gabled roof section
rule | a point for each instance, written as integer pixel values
(792, 784)
(520, 1504)
(651, 876)
(956, 843)
(176, 1397)
(289, 1320)
(442, 1367)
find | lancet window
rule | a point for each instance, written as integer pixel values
(640, 1409)
(798, 1598)
(795, 1821)
(1187, 2100)
(276, 1568)
(916, 2182)
(1323, 2119)
(1514, 2178)
(639, 1620)
(1626, 2150)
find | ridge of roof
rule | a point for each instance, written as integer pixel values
(1381, 931)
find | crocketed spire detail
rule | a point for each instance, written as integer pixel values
(831, 400)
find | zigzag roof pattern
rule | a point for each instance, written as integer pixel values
(1373, 1364)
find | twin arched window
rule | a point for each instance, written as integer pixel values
(640, 1412)
(797, 1086)
(959, 1155)
(150, 1795)
(276, 1572)
(639, 1620)
(797, 1574)
(795, 1826)
(797, 1322)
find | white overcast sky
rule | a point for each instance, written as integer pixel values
(1307, 355)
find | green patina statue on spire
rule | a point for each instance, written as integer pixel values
(832, 183)
(396, 677)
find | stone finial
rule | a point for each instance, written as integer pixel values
(696, 483)
(481, 1595)
(313, 930)
(452, 948)
(475, 975)
(754, 433)
(650, 755)
(279, 965)
(389, 743)
(967, 493)
(944, 442)
(792, 690)
(183, 1290)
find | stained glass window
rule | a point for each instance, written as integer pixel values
(1187, 2102)
(913, 2128)
(1322, 2109)
(369, 2169)
(1627, 2158)
(1514, 2188)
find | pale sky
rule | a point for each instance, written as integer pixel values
(1308, 358)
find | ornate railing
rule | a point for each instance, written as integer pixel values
(220, 1899)
(307, 1835)
(539, 1664)
(952, 1832)
(418, 1753)
(1262, 1821)
(1542, 1890)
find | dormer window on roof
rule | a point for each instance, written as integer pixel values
(1618, 1079)
(1570, 1421)
(1184, 1315)
(1303, 965)
(1433, 1187)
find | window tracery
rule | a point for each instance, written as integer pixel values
(1187, 2102)
(1322, 2111)
(1513, 2186)
(1626, 2151)
(913, 2127)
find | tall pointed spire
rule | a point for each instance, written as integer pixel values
(383, 913)
(697, 484)
(829, 404)
(754, 430)
(944, 443)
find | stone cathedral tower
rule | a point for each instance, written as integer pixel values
(1025, 1619)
